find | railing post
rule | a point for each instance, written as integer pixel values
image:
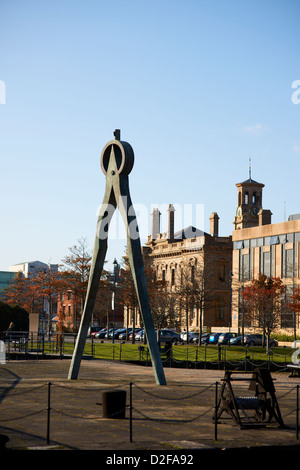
(48, 413)
(216, 412)
(297, 413)
(187, 355)
(219, 356)
(61, 339)
(92, 346)
(130, 412)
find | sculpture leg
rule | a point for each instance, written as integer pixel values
(138, 273)
(99, 253)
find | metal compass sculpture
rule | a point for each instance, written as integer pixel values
(117, 160)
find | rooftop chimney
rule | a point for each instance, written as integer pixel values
(155, 223)
(264, 217)
(214, 224)
(170, 233)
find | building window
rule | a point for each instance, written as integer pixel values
(245, 266)
(221, 272)
(246, 198)
(267, 263)
(238, 245)
(220, 310)
(287, 268)
(172, 277)
(287, 316)
(192, 273)
(274, 240)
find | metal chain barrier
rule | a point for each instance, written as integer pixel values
(171, 398)
(28, 344)
(130, 406)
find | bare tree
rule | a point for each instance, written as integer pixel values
(78, 264)
(195, 291)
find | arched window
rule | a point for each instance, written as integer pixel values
(246, 198)
(254, 198)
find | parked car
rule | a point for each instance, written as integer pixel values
(253, 340)
(101, 334)
(225, 337)
(118, 332)
(93, 330)
(137, 332)
(205, 338)
(257, 340)
(169, 336)
(213, 338)
(108, 333)
(191, 336)
(114, 332)
(235, 341)
(123, 334)
(165, 336)
(93, 334)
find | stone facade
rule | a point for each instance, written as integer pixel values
(208, 256)
(262, 247)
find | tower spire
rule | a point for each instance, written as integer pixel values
(250, 169)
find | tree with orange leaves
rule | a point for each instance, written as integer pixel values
(263, 302)
(21, 292)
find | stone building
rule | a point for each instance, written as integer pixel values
(30, 268)
(262, 247)
(207, 257)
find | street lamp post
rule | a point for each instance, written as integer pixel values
(115, 277)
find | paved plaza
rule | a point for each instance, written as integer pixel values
(175, 417)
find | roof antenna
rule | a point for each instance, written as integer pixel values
(250, 169)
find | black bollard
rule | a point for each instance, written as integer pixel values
(114, 404)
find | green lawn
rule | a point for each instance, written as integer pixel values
(132, 352)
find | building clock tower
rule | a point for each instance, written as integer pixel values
(249, 203)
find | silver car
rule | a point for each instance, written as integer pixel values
(257, 340)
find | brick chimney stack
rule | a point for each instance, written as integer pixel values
(155, 223)
(214, 224)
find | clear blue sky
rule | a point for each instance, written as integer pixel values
(196, 86)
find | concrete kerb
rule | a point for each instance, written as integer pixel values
(174, 417)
